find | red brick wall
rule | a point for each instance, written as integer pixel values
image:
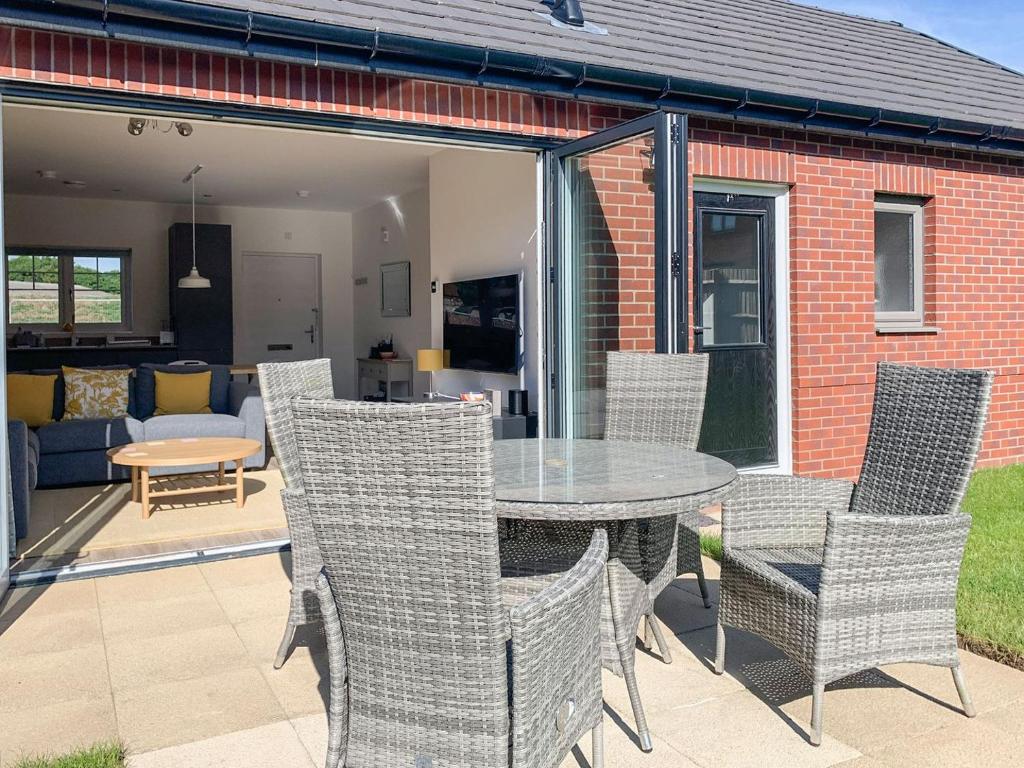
(614, 258)
(974, 229)
(974, 266)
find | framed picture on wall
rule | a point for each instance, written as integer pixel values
(395, 300)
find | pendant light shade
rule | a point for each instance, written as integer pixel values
(193, 279)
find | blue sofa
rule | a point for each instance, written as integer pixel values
(75, 452)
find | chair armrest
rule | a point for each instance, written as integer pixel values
(556, 661)
(337, 662)
(781, 511)
(876, 557)
(888, 590)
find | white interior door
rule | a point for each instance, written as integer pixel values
(280, 308)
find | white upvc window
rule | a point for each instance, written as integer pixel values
(899, 265)
(52, 288)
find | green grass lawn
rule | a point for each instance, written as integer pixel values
(990, 605)
(107, 755)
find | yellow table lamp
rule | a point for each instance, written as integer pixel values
(428, 361)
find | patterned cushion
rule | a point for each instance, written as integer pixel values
(95, 394)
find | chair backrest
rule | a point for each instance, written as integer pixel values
(402, 502)
(656, 398)
(925, 434)
(279, 383)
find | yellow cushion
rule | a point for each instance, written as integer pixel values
(30, 398)
(91, 393)
(182, 392)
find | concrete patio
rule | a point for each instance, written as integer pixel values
(177, 664)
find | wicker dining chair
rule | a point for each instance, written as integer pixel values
(279, 383)
(659, 398)
(429, 666)
(844, 578)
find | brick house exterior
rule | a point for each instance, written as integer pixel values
(974, 217)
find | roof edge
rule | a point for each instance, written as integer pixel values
(265, 36)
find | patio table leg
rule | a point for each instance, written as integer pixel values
(135, 484)
(628, 601)
(239, 485)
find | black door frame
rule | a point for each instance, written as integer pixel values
(763, 207)
(671, 193)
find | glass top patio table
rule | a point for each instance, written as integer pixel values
(554, 479)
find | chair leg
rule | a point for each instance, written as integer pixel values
(719, 649)
(703, 586)
(286, 645)
(965, 696)
(646, 638)
(654, 628)
(629, 674)
(597, 753)
(816, 703)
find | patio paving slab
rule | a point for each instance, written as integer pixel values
(53, 599)
(199, 653)
(276, 745)
(185, 711)
(130, 588)
(38, 680)
(143, 619)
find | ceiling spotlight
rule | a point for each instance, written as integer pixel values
(136, 125)
(74, 184)
(184, 129)
(303, 193)
(47, 175)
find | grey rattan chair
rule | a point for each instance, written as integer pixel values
(279, 383)
(845, 578)
(428, 666)
(658, 398)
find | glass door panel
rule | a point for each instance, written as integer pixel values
(613, 246)
(734, 307)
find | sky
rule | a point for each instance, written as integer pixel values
(990, 28)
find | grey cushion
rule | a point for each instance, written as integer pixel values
(79, 468)
(145, 386)
(194, 425)
(88, 434)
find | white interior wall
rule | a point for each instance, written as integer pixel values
(483, 222)
(406, 220)
(142, 226)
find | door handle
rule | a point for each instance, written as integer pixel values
(702, 328)
(312, 333)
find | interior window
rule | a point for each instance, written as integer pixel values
(50, 288)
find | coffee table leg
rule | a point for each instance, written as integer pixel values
(220, 473)
(239, 485)
(144, 489)
(135, 484)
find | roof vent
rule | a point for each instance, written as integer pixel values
(568, 12)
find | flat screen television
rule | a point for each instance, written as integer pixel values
(482, 322)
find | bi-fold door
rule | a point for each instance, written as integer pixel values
(6, 505)
(617, 250)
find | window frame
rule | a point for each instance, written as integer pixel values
(66, 287)
(893, 320)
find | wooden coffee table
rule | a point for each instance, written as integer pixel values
(184, 452)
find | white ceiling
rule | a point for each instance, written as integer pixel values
(243, 165)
